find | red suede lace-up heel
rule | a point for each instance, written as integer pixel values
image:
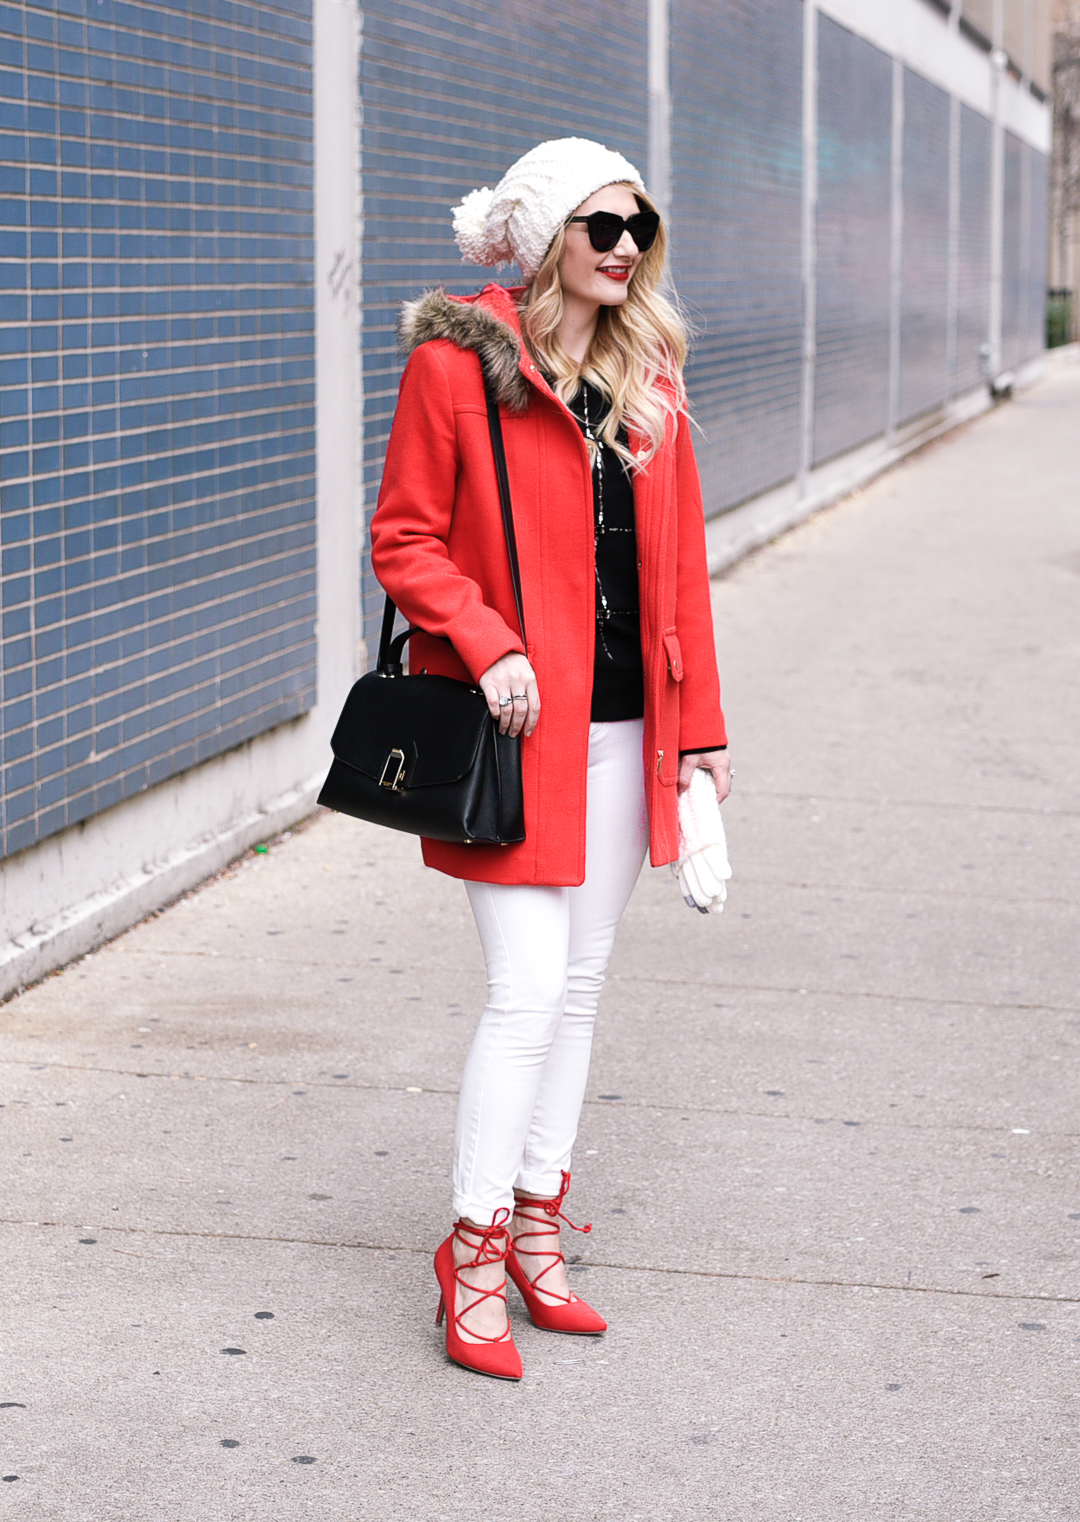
(496, 1356)
(570, 1314)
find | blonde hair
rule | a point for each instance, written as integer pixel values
(636, 355)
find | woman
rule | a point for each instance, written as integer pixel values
(586, 360)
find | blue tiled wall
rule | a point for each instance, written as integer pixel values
(1023, 296)
(1038, 231)
(924, 305)
(736, 176)
(854, 227)
(973, 261)
(452, 94)
(156, 392)
(157, 315)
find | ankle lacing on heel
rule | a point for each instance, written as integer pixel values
(568, 1314)
(496, 1356)
(492, 1246)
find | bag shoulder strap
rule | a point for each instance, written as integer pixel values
(390, 649)
(498, 449)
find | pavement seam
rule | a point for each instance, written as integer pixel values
(867, 889)
(841, 993)
(625, 977)
(626, 1104)
(914, 803)
(628, 1268)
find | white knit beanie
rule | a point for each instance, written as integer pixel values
(515, 222)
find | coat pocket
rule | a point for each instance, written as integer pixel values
(673, 650)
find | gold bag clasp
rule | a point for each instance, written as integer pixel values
(393, 771)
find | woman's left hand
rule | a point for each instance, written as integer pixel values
(714, 761)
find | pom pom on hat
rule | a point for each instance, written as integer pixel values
(469, 219)
(515, 222)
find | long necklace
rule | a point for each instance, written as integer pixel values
(596, 454)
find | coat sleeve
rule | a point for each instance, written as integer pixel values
(411, 524)
(701, 721)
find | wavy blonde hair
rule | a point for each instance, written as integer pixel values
(636, 356)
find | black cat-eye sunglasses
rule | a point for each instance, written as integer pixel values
(606, 228)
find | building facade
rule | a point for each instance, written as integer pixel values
(209, 216)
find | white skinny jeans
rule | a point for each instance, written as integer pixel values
(546, 950)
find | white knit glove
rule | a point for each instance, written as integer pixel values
(703, 868)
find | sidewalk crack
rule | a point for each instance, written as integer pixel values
(732, 1275)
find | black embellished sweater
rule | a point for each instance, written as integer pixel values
(618, 674)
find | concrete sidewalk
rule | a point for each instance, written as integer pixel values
(830, 1145)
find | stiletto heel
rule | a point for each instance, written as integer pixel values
(570, 1314)
(496, 1356)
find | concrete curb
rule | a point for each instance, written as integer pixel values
(33, 954)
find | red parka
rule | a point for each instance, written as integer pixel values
(438, 548)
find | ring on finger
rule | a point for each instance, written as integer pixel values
(503, 702)
(519, 697)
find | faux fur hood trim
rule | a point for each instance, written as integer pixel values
(471, 324)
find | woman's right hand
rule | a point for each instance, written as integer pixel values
(512, 677)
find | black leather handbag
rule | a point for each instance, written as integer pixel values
(422, 753)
